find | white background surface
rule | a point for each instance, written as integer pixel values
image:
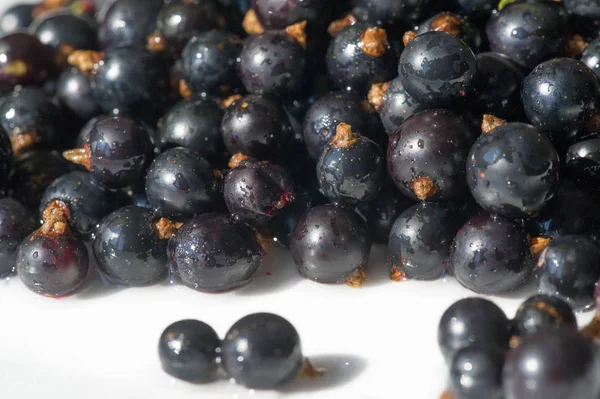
(375, 342)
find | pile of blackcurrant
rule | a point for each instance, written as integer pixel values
(145, 140)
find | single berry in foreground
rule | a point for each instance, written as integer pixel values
(52, 261)
(188, 350)
(262, 350)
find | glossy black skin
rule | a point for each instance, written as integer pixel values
(497, 87)
(529, 33)
(581, 162)
(328, 111)
(279, 14)
(350, 68)
(16, 223)
(433, 144)
(180, 184)
(29, 109)
(382, 212)
(74, 91)
(420, 240)
(542, 313)
(567, 367)
(477, 8)
(61, 28)
(352, 175)
(572, 211)
(255, 192)
(6, 159)
(473, 322)
(330, 243)
(128, 22)
(188, 350)
(591, 56)
(120, 151)
(127, 250)
(476, 373)
(467, 32)
(32, 174)
(84, 134)
(561, 95)
(195, 124)
(281, 226)
(391, 12)
(569, 268)
(87, 202)
(138, 90)
(180, 20)
(520, 154)
(490, 255)
(16, 18)
(256, 126)
(272, 63)
(437, 69)
(52, 266)
(22, 48)
(272, 355)
(209, 60)
(585, 15)
(397, 106)
(213, 253)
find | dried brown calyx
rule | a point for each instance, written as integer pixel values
(514, 342)
(297, 32)
(22, 142)
(340, 24)
(80, 156)
(156, 42)
(62, 54)
(48, 5)
(397, 275)
(184, 90)
(264, 241)
(164, 228)
(490, 122)
(55, 218)
(357, 279)
(236, 159)
(423, 187)
(373, 41)
(408, 37)
(251, 24)
(537, 245)
(309, 370)
(446, 23)
(85, 60)
(15, 68)
(344, 136)
(593, 125)
(226, 102)
(376, 94)
(592, 329)
(575, 46)
(447, 395)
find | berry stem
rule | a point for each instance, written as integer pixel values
(340, 24)
(537, 245)
(490, 122)
(357, 280)
(85, 60)
(55, 218)
(164, 228)
(376, 94)
(397, 275)
(344, 137)
(251, 24)
(22, 142)
(408, 37)
(423, 187)
(373, 42)
(184, 90)
(236, 159)
(226, 102)
(156, 43)
(80, 156)
(446, 23)
(297, 32)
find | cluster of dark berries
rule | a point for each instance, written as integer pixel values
(538, 354)
(182, 137)
(260, 351)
